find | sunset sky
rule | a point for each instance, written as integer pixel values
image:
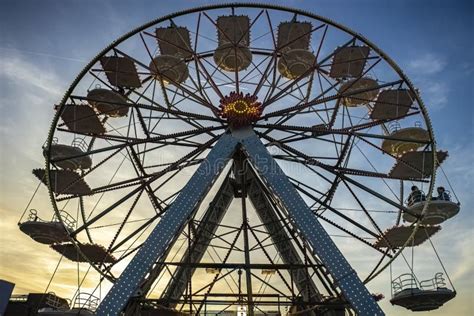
(44, 44)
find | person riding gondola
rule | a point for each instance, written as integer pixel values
(416, 195)
(442, 195)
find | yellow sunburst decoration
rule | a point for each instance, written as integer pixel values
(240, 110)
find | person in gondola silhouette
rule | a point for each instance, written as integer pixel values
(442, 194)
(416, 195)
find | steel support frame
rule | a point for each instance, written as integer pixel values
(193, 193)
(322, 245)
(211, 220)
(170, 224)
(204, 234)
(281, 239)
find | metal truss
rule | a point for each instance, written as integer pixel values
(301, 217)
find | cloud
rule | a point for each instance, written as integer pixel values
(426, 72)
(435, 94)
(427, 64)
(20, 72)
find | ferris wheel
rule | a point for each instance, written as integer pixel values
(244, 157)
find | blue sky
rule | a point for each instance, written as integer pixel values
(44, 44)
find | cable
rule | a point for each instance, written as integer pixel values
(439, 259)
(31, 200)
(449, 183)
(49, 283)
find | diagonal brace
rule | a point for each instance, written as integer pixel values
(323, 246)
(170, 224)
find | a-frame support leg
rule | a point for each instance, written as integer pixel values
(204, 234)
(323, 246)
(193, 193)
(170, 224)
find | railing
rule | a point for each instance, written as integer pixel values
(414, 198)
(407, 281)
(67, 219)
(435, 283)
(404, 282)
(86, 301)
(445, 196)
(33, 216)
(56, 302)
(394, 126)
(80, 143)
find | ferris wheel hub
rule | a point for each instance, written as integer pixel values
(240, 110)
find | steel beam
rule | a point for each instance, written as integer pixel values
(281, 239)
(170, 224)
(192, 194)
(204, 234)
(345, 277)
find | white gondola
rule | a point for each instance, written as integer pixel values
(368, 86)
(70, 157)
(108, 102)
(392, 104)
(437, 212)
(121, 71)
(403, 140)
(175, 46)
(296, 61)
(349, 62)
(64, 181)
(84, 304)
(231, 57)
(48, 232)
(416, 164)
(93, 253)
(398, 236)
(81, 118)
(233, 34)
(417, 296)
(169, 68)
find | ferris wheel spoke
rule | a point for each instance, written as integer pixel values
(127, 141)
(343, 216)
(335, 211)
(264, 75)
(204, 96)
(155, 107)
(125, 220)
(185, 89)
(208, 77)
(142, 181)
(324, 130)
(315, 67)
(140, 171)
(197, 82)
(285, 89)
(342, 170)
(361, 205)
(320, 100)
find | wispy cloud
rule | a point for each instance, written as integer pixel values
(427, 64)
(426, 71)
(435, 94)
